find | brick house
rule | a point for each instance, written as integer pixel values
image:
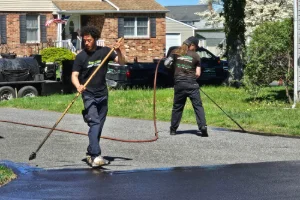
(140, 22)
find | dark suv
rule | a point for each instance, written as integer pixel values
(214, 71)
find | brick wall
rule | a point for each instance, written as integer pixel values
(145, 49)
(13, 36)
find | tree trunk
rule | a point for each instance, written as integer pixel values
(234, 14)
(235, 64)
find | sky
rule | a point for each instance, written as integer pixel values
(177, 2)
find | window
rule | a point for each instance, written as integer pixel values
(3, 34)
(204, 54)
(136, 27)
(32, 28)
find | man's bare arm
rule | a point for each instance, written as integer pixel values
(80, 88)
(198, 71)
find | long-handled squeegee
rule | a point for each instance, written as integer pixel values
(33, 154)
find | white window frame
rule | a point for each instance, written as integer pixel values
(135, 28)
(38, 30)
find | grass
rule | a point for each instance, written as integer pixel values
(6, 175)
(269, 113)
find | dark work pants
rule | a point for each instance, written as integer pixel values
(96, 110)
(182, 90)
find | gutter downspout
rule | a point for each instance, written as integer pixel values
(296, 98)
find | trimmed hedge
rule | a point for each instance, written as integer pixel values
(55, 54)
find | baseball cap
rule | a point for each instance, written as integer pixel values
(194, 40)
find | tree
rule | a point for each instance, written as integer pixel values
(205, 2)
(233, 18)
(212, 18)
(270, 56)
(259, 11)
(255, 12)
(235, 39)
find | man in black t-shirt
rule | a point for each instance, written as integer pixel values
(187, 66)
(95, 95)
(74, 38)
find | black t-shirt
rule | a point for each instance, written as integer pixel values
(185, 67)
(86, 62)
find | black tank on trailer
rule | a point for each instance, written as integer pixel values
(18, 69)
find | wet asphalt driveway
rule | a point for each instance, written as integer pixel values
(226, 165)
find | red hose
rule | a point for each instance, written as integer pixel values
(104, 137)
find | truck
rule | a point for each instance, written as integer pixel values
(137, 74)
(29, 76)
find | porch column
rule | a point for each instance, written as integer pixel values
(59, 32)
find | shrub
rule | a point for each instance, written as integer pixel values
(54, 54)
(270, 55)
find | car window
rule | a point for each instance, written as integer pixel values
(204, 54)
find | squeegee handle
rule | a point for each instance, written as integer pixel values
(72, 102)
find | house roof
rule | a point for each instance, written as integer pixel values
(138, 5)
(82, 5)
(109, 5)
(26, 6)
(185, 13)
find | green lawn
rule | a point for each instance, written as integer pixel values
(6, 175)
(269, 113)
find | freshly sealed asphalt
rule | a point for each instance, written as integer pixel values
(226, 165)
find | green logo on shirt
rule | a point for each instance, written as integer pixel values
(185, 62)
(93, 63)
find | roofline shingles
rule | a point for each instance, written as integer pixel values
(123, 5)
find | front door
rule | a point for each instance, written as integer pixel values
(72, 29)
(73, 25)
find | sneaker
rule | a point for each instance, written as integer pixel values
(97, 161)
(172, 131)
(199, 133)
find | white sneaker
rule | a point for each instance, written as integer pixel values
(97, 162)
